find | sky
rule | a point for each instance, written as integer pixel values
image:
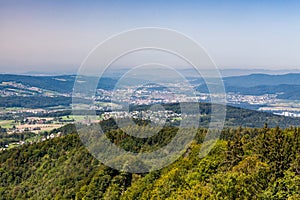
(56, 36)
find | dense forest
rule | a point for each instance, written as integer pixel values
(34, 101)
(246, 163)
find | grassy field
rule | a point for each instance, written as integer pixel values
(47, 126)
(106, 104)
(7, 123)
(43, 127)
(75, 117)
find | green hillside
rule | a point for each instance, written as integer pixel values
(61, 84)
(246, 163)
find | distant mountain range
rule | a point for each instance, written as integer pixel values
(262, 79)
(286, 86)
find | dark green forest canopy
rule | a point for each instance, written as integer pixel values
(246, 163)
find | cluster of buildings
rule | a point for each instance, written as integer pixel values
(21, 142)
(147, 95)
(235, 98)
(288, 114)
(159, 116)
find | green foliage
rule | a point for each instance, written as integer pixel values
(245, 164)
(6, 138)
(34, 101)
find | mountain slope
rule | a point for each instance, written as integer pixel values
(246, 164)
(262, 79)
(61, 84)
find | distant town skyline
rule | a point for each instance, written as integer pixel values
(56, 36)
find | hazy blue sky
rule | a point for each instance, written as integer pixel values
(57, 35)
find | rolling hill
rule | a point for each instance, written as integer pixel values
(244, 164)
(61, 84)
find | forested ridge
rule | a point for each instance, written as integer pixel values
(246, 163)
(62, 83)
